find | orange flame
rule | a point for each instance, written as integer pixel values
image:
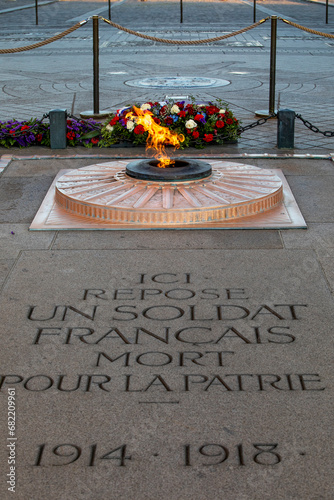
(158, 136)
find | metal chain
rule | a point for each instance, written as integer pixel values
(183, 42)
(315, 129)
(261, 121)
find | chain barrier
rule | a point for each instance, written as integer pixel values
(45, 42)
(157, 39)
(309, 30)
(261, 121)
(315, 129)
(132, 32)
(183, 42)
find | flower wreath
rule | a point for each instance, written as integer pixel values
(201, 124)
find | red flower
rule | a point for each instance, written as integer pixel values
(198, 117)
(39, 137)
(220, 124)
(229, 121)
(12, 131)
(24, 127)
(182, 114)
(114, 121)
(190, 109)
(139, 129)
(157, 120)
(162, 110)
(208, 137)
(211, 110)
(195, 134)
(70, 136)
(169, 120)
(94, 140)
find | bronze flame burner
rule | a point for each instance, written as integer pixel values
(182, 170)
(140, 194)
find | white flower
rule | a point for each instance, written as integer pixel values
(191, 124)
(109, 128)
(175, 110)
(130, 125)
(222, 111)
(145, 106)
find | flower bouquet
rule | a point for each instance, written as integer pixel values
(33, 132)
(200, 124)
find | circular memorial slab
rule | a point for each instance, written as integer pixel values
(105, 192)
(174, 82)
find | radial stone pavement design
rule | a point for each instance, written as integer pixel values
(104, 196)
(177, 82)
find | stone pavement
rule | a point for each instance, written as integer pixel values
(167, 364)
(59, 75)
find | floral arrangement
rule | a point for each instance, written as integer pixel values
(34, 132)
(83, 133)
(23, 134)
(201, 124)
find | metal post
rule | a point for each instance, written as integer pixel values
(254, 11)
(181, 11)
(96, 64)
(272, 83)
(36, 11)
(58, 128)
(109, 10)
(285, 128)
(326, 11)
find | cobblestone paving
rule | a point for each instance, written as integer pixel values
(59, 75)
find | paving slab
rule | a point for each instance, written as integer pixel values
(15, 237)
(21, 197)
(166, 364)
(317, 236)
(169, 374)
(318, 205)
(6, 265)
(173, 365)
(326, 260)
(160, 239)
